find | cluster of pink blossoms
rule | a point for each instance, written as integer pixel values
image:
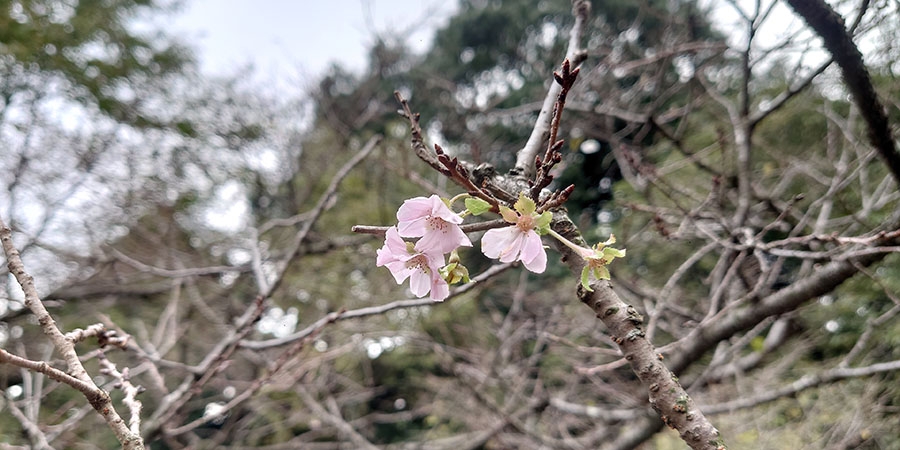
(437, 226)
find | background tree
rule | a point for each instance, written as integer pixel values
(759, 221)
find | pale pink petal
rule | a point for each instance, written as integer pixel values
(435, 260)
(504, 243)
(414, 208)
(532, 246)
(412, 216)
(399, 270)
(440, 209)
(412, 228)
(456, 235)
(394, 248)
(443, 240)
(383, 256)
(515, 248)
(495, 241)
(533, 254)
(419, 283)
(431, 242)
(510, 244)
(440, 290)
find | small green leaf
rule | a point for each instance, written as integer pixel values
(585, 273)
(601, 273)
(542, 223)
(477, 206)
(508, 214)
(525, 206)
(610, 253)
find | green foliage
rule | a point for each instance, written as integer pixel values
(92, 46)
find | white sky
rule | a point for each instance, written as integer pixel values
(298, 39)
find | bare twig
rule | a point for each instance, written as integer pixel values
(448, 166)
(123, 381)
(257, 384)
(566, 79)
(805, 382)
(317, 211)
(526, 157)
(39, 439)
(335, 420)
(373, 310)
(467, 228)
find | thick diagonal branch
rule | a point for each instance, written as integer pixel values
(625, 325)
(829, 25)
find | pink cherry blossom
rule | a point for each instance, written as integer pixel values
(422, 268)
(431, 219)
(515, 243)
(520, 241)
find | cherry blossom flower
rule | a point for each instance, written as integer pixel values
(432, 220)
(596, 258)
(521, 241)
(421, 267)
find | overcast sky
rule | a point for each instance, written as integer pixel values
(299, 39)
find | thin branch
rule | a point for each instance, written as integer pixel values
(373, 310)
(123, 381)
(805, 382)
(467, 228)
(169, 408)
(525, 159)
(450, 167)
(782, 98)
(176, 273)
(39, 440)
(76, 377)
(595, 412)
(739, 317)
(565, 78)
(257, 384)
(335, 420)
(321, 206)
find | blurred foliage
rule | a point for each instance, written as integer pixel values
(434, 372)
(93, 47)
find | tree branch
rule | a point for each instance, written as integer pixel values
(666, 395)
(805, 382)
(76, 377)
(829, 25)
(373, 310)
(734, 319)
(525, 158)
